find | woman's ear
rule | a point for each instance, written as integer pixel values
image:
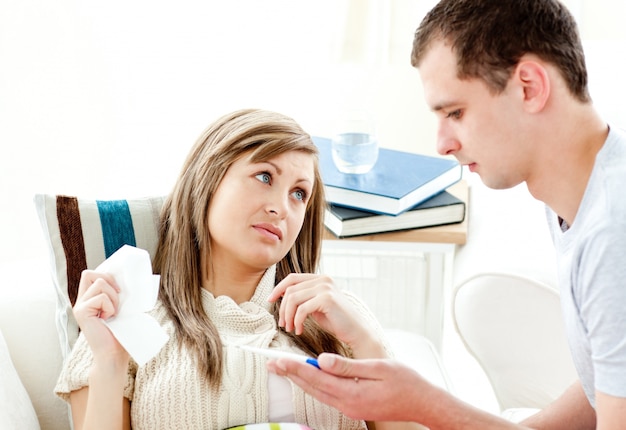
(535, 82)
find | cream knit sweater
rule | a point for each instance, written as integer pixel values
(168, 393)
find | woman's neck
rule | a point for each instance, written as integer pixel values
(237, 282)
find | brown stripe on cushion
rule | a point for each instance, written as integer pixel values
(73, 242)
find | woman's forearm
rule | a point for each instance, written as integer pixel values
(102, 404)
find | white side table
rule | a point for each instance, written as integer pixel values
(402, 276)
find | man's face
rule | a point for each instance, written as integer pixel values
(481, 129)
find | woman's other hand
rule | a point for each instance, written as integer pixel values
(305, 294)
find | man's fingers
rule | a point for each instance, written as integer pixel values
(350, 368)
(317, 390)
(309, 378)
(338, 391)
(338, 365)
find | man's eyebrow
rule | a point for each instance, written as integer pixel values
(443, 105)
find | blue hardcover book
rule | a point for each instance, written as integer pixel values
(398, 181)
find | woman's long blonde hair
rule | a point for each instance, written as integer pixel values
(184, 236)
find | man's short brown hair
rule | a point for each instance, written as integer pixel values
(490, 36)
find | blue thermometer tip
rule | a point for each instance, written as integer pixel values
(313, 362)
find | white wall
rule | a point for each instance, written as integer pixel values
(104, 99)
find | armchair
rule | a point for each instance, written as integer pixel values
(512, 326)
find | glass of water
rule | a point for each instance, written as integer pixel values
(354, 143)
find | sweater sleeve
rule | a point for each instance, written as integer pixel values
(75, 372)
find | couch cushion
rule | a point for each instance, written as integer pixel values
(27, 322)
(81, 234)
(17, 411)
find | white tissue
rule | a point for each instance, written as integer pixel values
(139, 333)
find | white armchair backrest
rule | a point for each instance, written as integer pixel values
(512, 325)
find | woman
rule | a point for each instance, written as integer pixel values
(239, 246)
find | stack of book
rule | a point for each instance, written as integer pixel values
(403, 191)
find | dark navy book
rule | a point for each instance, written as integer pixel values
(443, 208)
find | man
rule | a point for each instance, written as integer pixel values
(507, 81)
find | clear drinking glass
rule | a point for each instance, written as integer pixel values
(354, 143)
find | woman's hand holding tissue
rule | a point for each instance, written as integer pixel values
(98, 299)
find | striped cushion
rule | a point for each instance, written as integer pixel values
(82, 233)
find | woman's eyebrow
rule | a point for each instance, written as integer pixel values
(280, 171)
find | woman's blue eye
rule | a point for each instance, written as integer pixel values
(264, 177)
(300, 194)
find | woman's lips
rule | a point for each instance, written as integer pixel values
(269, 229)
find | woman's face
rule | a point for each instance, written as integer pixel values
(258, 209)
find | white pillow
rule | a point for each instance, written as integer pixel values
(17, 411)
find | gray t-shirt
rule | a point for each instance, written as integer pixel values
(591, 258)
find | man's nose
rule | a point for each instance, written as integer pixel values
(447, 143)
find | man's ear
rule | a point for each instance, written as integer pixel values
(535, 82)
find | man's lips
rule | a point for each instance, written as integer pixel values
(470, 165)
(270, 228)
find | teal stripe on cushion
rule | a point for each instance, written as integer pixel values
(117, 225)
